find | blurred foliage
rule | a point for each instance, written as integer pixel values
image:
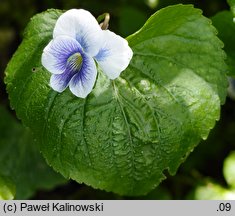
(229, 169)
(22, 168)
(223, 21)
(209, 189)
(212, 191)
(201, 176)
(232, 6)
(7, 188)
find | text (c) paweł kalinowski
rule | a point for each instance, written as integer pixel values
(62, 207)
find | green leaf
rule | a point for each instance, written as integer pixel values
(129, 131)
(223, 21)
(7, 188)
(229, 169)
(21, 162)
(232, 6)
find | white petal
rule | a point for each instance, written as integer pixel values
(82, 83)
(82, 26)
(115, 54)
(57, 52)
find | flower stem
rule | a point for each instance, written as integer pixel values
(104, 20)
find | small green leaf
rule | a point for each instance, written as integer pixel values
(232, 6)
(229, 169)
(127, 132)
(223, 21)
(21, 161)
(7, 188)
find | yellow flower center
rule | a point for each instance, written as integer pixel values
(75, 61)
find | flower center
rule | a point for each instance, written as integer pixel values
(75, 61)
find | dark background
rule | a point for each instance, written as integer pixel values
(127, 16)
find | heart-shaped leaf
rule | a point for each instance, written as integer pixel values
(127, 132)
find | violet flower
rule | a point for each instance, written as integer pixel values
(78, 44)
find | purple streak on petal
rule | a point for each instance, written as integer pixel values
(102, 54)
(59, 82)
(82, 83)
(62, 48)
(114, 56)
(83, 75)
(63, 51)
(82, 26)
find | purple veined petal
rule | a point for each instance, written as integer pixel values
(82, 83)
(115, 54)
(59, 82)
(57, 52)
(82, 26)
